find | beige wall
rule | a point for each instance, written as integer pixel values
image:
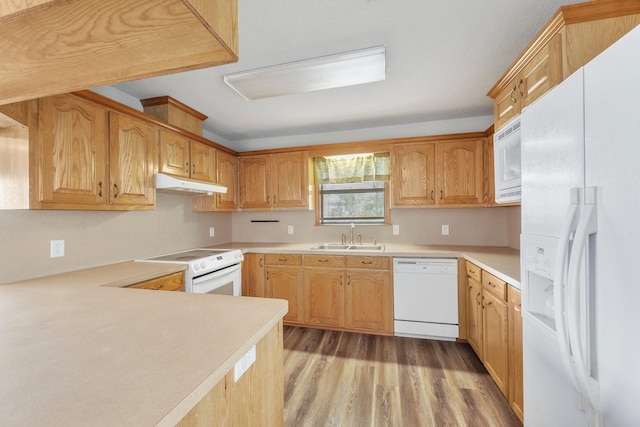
(96, 238)
(514, 226)
(418, 226)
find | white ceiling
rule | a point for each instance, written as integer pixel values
(442, 58)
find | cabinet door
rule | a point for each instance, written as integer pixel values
(507, 105)
(71, 151)
(474, 315)
(227, 176)
(516, 389)
(543, 72)
(253, 275)
(413, 174)
(495, 347)
(286, 283)
(174, 154)
(324, 296)
(369, 300)
(289, 180)
(460, 176)
(203, 162)
(255, 182)
(132, 154)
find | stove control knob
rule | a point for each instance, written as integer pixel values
(203, 264)
(196, 267)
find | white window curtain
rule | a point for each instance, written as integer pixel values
(352, 168)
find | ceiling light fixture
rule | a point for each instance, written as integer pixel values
(326, 72)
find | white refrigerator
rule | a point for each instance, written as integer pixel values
(580, 245)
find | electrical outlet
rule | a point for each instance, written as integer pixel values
(57, 248)
(396, 230)
(445, 229)
(245, 363)
(290, 229)
(212, 232)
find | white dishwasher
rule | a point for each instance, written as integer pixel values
(425, 297)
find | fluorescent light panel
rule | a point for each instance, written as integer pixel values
(326, 72)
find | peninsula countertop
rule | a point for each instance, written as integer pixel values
(503, 262)
(78, 349)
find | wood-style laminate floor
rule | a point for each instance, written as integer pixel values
(346, 379)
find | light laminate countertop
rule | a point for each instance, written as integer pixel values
(76, 349)
(502, 262)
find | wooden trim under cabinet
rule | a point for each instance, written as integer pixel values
(170, 282)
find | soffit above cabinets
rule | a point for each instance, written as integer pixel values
(51, 46)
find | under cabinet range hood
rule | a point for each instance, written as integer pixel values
(170, 184)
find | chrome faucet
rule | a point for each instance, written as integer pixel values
(351, 234)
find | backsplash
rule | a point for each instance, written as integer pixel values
(487, 227)
(97, 238)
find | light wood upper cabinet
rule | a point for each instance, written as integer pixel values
(185, 158)
(460, 172)
(289, 180)
(255, 182)
(71, 150)
(413, 174)
(51, 47)
(89, 158)
(572, 37)
(274, 181)
(441, 173)
(227, 176)
(543, 72)
(132, 154)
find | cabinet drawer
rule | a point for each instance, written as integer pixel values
(282, 259)
(171, 282)
(370, 262)
(473, 271)
(336, 261)
(494, 285)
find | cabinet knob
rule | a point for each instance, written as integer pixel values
(100, 189)
(186, 167)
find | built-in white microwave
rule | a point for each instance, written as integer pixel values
(508, 173)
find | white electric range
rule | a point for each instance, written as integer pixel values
(209, 271)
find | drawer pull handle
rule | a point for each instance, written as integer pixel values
(323, 260)
(492, 284)
(367, 262)
(100, 189)
(282, 260)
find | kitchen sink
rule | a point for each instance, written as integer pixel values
(355, 247)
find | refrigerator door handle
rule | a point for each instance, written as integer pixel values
(559, 301)
(587, 225)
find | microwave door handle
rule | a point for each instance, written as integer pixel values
(216, 274)
(568, 226)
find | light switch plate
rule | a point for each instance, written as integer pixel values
(396, 230)
(212, 232)
(290, 229)
(445, 229)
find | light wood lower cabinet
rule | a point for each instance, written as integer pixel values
(170, 282)
(283, 274)
(494, 331)
(353, 293)
(514, 321)
(256, 399)
(253, 275)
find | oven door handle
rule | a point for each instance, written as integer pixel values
(216, 274)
